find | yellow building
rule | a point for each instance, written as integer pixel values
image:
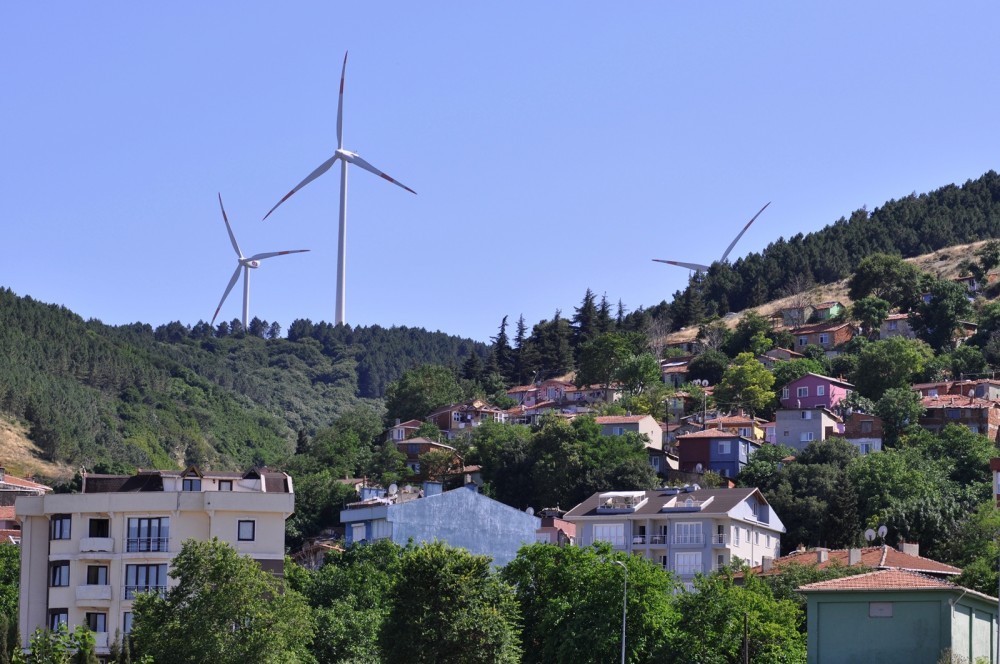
(84, 556)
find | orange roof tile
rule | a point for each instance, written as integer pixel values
(887, 579)
(878, 557)
(709, 433)
(6, 512)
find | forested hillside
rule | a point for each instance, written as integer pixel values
(221, 397)
(910, 226)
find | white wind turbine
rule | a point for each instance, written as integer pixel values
(245, 264)
(697, 267)
(346, 157)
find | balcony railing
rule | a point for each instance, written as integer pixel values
(694, 538)
(132, 591)
(96, 544)
(687, 570)
(134, 544)
(638, 539)
(720, 539)
(658, 539)
(90, 593)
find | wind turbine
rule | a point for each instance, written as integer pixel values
(245, 264)
(704, 268)
(346, 157)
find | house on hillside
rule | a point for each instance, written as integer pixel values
(402, 430)
(862, 430)
(719, 451)
(815, 391)
(461, 518)
(896, 325)
(797, 427)
(905, 557)
(826, 310)
(895, 615)
(459, 419)
(744, 425)
(594, 394)
(688, 531)
(828, 336)
(617, 425)
(776, 355)
(414, 448)
(979, 415)
(674, 370)
(12, 486)
(797, 315)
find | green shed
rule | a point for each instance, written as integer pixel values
(898, 616)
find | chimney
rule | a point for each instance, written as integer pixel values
(766, 563)
(397, 422)
(853, 557)
(910, 548)
(801, 548)
(822, 555)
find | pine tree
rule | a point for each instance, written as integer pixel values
(522, 360)
(584, 322)
(620, 315)
(604, 322)
(503, 356)
(843, 521)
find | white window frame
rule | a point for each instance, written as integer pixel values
(688, 532)
(725, 447)
(821, 390)
(802, 391)
(241, 524)
(803, 341)
(807, 415)
(824, 339)
(784, 393)
(806, 437)
(688, 563)
(613, 533)
(225, 485)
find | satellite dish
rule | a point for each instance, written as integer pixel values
(529, 510)
(882, 531)
(869, 534)
(393, 489)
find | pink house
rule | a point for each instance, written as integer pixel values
(814, 391)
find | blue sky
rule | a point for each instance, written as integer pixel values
(554, 146)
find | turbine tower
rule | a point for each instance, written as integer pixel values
(245, 264)
(697, 267)
(346, 157)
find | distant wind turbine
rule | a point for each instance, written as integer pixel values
(346, 157)
(704, 268)
(245, 264)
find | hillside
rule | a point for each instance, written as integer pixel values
(75, 392)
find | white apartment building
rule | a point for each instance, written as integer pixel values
(688, 530)
(85, 556)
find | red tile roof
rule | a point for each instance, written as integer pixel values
(620, 419)
(878, 557)
(818, 327)
(888, 579)
(709, 433)
(23, 483)
(6, 512)
(955, 401)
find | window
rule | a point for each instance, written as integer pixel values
(824, 339)
(736, 536)
(413, 449)
(97, 622)
(803, 341)
(457, 416)
(688, 563)
(225, 485)
(724, 447)
(59, 574)
(357, 532)
(144, 579)
(807, 415)
(58, 617)
(654, 462)
(821, 390)
(245, 530)
(866, 448)
(724, 472)
(687, 532)
(745, 432)
(619, 431)
(866, 426)
(806, 437)
(893, 325)
(784, 393)
(191, 484)
(802, 391)
(613, 533)
(756, 537)
(148, 534)
(953, 413)
(127, 622)
(97, 575)
(59, 527)
(99, 528)
(974, 428)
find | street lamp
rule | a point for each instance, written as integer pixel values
(624, 606)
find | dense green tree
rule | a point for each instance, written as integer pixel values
(749, 335)
(888, 278)
(224, 608)
(967, 362)
(10, 577)
(420, 391)
(709, 366)
(976, 549)
(720, 612)
(449, 605)
(639, 373)
(894, 362)
(746, 384)
(503, 354)
(571, 604)
(937, 318)
(553, 341)
(601, 359)
(899, 408)
(870, 312)
(585, 321)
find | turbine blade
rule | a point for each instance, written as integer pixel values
(340, 106)
(733, 243)
(232, 238)
(322, 168)
(358, 161)
(690, 266)
(271, 254)
(232, 282)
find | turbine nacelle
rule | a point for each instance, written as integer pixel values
(250, 264)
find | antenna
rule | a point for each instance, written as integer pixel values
(393, 489)
(870, 535)
(882, 532)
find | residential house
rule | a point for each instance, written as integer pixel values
(547, 390)
(686, 346)
(769, 429)
(414, 448)
(828, 336)
(674, 370)
(402, 430)
(744, 425)
(815, 391)
(717, 450)
(862, 430)
(979, 415)
(617, 425)
(797, 427)
(11, 487)
(555, 529)
(313, 553)
(461, 518)
(594, 394)
(895, 615)
(796, 316)
(896, 325)
(905, 557)
(776, 355)
(85, 556)
(459, 419)
(827, 310)
(688, 531)
(531, 415)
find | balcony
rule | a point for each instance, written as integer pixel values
(101, 640)
(93, 593)
(720, 540)
(139, 544)
(638, 539)
(692, 539)
(658, 539)
(97, 544)
(687, 570)
(132, 591)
